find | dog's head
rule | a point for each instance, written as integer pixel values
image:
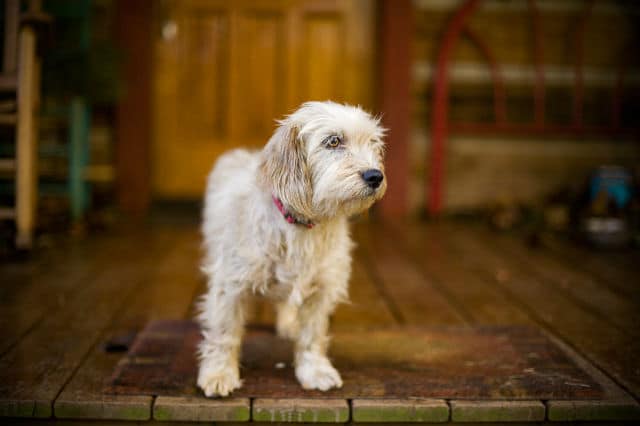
(326, 159)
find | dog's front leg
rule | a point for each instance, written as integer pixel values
(222, 321)
(313, 368)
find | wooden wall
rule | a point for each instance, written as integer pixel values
(536, 166)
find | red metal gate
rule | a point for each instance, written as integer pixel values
(441, 127)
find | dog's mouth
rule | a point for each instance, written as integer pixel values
(371, 192)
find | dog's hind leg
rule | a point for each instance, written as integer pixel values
(287, 323)
(222, 317)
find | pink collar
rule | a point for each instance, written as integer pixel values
(288, 216)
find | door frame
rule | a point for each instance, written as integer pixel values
(134, 29)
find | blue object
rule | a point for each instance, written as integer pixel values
(615, 181)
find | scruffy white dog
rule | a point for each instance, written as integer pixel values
(275, 224)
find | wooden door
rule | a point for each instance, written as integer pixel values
(225, 70)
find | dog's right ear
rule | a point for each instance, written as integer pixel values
(285, 171)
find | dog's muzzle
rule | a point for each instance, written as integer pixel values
(373, 178)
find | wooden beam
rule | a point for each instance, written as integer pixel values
(133, 118)
(395, 40)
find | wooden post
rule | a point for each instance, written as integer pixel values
(26, 176)
(395, 41)
(133, 120)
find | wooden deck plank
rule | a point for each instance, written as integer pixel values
(34, 371)
(574, 283)
(166, 292)
(367, 307)
(43, 285)
(415, 298)
(618, 277)
(481, 302)
(602, 344)
(392, 270)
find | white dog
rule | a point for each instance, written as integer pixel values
(276, 224)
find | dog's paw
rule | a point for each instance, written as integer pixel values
(316, 372)
(218, 382)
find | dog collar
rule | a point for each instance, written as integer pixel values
(288, 216)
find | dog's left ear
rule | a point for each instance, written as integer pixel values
(284, 169)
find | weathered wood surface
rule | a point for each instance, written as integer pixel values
(367, 308)
(43, 285)
(573, 283)
(59, 308)
(165, 292)
(616, 404)
(610, 348)
(412, 297)
(35, 370)
(438, 362)
(477, 300)
(608, 269)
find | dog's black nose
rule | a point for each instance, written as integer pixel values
(373, 178)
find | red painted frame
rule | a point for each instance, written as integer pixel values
(441, 127)
(395, 36)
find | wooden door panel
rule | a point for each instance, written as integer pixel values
(322, 77)
(203, 90)
(230, 68)
(261, 91)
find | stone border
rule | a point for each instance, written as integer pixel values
(201, 409)
(300, 410)
(497, 411)
(399, 410)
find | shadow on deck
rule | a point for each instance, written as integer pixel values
(451, 322)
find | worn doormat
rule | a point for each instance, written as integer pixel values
(476, 363)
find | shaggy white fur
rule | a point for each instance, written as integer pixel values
(325, 163)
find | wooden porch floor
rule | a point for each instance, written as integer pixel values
(62, 308)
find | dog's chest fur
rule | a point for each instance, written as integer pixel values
(297, 257)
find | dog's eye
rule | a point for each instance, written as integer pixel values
(333, 141)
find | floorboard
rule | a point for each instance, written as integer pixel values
(60, 309)
(43, 285)
(414, 297)
(481, 302)
(367, 307)
(621, 279)
(574, 283)
(610, 349)
(34, 371)
(165, 293)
